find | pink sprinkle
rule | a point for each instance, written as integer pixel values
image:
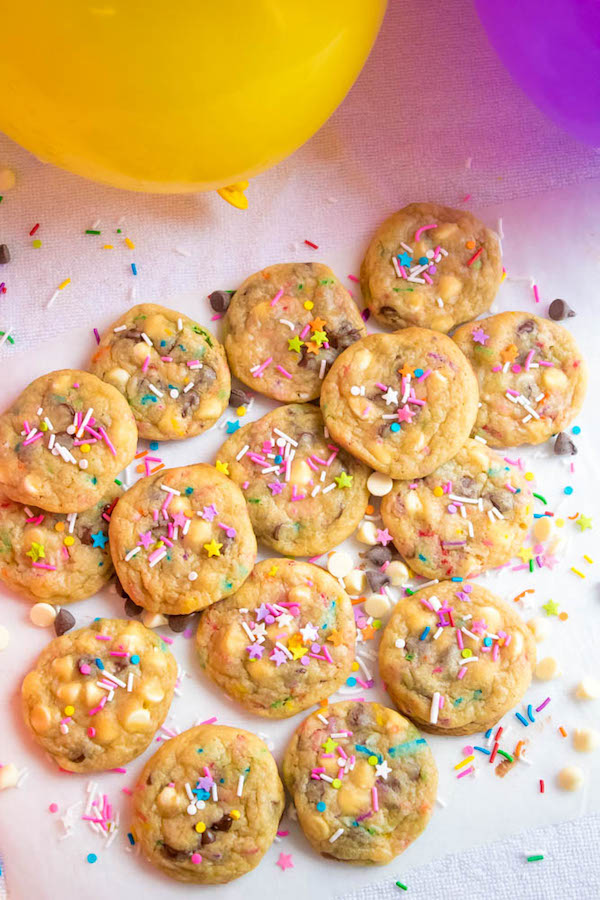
(91, 431)
(427, 278)
(542, 705)
(53, 807)
(209, 721)
(496, 368)
(277, 297)
(466, 198)
(88, 441)
(127, 791)
(413, 486)
(353, 278)
(65, 552)
(282, 833)
(496, 650)
(193, 362)
(216, 316)
(304, 331)
(382, 387)
(360, 681)
(97, 336)
(32, 440)
(85, 669)
(510, 488)
(107, 440)
(459, 639)
(423, 228)
(461, 672)
(512, 392)
(119, 770)
(466, 772)
(427, 604)
(35, 520)
(544, 362)
(196, 859)
(119, 653)
(283, 371)
(167, 358)
(103, 637)
(536, 293)
(422, 377)
(166, 639)
(26, 427)
(375, 799)
(342, 752)
(154, 554)
(528, 359)
(39, 565)
(91, 732)
(262, 367)
(97, 709)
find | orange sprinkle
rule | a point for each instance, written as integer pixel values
(370, 509)
(324, 702)
(509, 353)
(517, 752)
(470, 245)
(573, 517)
(522, 594)
(152, 471)
(562, 731)
(563, 616)
(358, 600)
(130, 243)
(140, 454)
(139, 469)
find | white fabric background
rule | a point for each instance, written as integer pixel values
(431, 97)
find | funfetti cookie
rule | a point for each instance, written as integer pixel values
(363, 782)
(455, 658)
(404, 403)
(305, 494)
(432, 266)
(284, 327)
(181, 539)
(171, 370)
(207, 805)
(64, 441)
(532, 377)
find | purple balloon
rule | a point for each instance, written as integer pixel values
(552, 50)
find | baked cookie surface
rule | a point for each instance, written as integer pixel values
(471, 514)
(404, 403)
(455, 658)
(532, 377)
(431, 266)
(284, 327)
(171, 370)
(53, 557)
(207, 805)
(97, 695)
(363, 781)
(284, 641)
(305, 494)
(181, 539)
(64, 440)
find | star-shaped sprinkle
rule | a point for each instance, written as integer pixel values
(525, 554)
(259, 631)
(311, 347)
(390, 396)
(146, 539)
(36, 552)
(222, 467)
(509, 353)
(383, 536)
(319, 337)
(275, 487)
(343, 480)
(99, 539)
(284, 620)
(295, 344)
(278, 657)
(551, 608)
(329, 745)
(255, 651)
(179, 519)
(405, 259)
(479, 336)
(478, 626)
(204, 783)
(405, 414)
(368, 633)
(584, 522)
(209, 512)
(382, 770)
(232, 427)
(317, 324)
(405, 370)
(213, 548)
(310, 632)
(298, 650)
(285, 861)
(550, 560)
(335, 638)
(273, 571)
(262, 612)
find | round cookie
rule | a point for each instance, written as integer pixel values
(97, 695)
(431, 266)
(171, 370)
(404, 403)
(532, 377)
(284, 327)
(181, 539)
(308, 505)
(207, 805)
(284, 641)
(471, 514)
(52, 557)
(64, 440)
(363, 781)
(425, 652)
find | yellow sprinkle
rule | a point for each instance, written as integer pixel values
(587, 559)
(466, 653)
(577, 572)
(108, 247)
(69, 710)
(130, 243)
(503, 276)
(336, 783)
(64, 284)
(373, 760)
(308, 304)
(273, 571)
(85, 448)
(60, 526)
(200, 827)
(464, 762)
(355, 666)
(438, 491)
(559, 523)
(241, 411)
(235, 813)
(529, 476)
(43, 427)
(69, 540)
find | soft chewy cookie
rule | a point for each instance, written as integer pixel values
(207, 805)
(284, 327)
(97, 695)
(284, 641)
(305, 494)
(64, 440)
(471, 514)
(455, 658)
(52, 557)
(404, 403)
(171, 370)
(363, 782)
(432, 266)
(181, 539)
(532, 377)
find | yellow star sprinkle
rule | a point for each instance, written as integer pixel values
(222, 467)
(297, 651)
(319, 337)
(36, 552)
(343, 480)
(525, 554)
(329, 745)
(584, 522)
(551, 608)
(295, 344)
(213, 548)
(273, 571)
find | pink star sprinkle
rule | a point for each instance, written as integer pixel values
(209, 512)
(146, 539)
(479, 336)
(276, 487)
(255, 651)
(179, 520)
(278, 657)
(405, 414)
(285, 861)
(383, 537)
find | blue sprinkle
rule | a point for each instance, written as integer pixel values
(163, 343)
(425, 632)
(483, 750)
(134, 268)
(134, 660)
(488, 733)
(395, 426)
(99, 663)
(91, 857)
(154, 445)
(278, 459)
(189, 490)
(576, 429)
(351, 682)
(418, 373)
(522, 719)
(422, 557)
(456, 578)
(568, 490)
(131, 838)
(321, 807)
(487, 642)
(423, 261)
(530, 715)
(539, 515)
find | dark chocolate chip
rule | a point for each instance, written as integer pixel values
(563, 445)
(378, 555)
(63, 622)
(222, 824)
(179, 623)
(560, 309)
(377, 579)
(4, 255)
(77, 759)
(238, 397)
(172, 853)
(207, 838)
(219, 300)
(526, 327)
(132, 609)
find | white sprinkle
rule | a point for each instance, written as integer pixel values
(539, 396)
(155, 390)
(188, 387)
(496, 512)
(322, 368)
(132, 553)
(322, 719)
(329, 487)
(470, 633)
(240, 786)
(481, 440)
(49, 424)
(248, 631)
(526, 418)
(146, 338)
(130, 682)
(435, 708)
(469, 659)
(51, 441)
(396, 267)
(326, 777)
(179, 324)
(439, 302)
(470, 528)
(323, 476)
(433, 600)
(158, 558)
(460, 499)
(84, 422)
(415, 280)
(285, 322)
(111, 677)
(500, 229)
(188, 791)
(428, 583)
(406, 247)
(506, 367)
(52, 299)
(243, 452)
(174, 393)
(198, 365)
(437, 634)
(336, 835)
(215, 793)
(511, 397)
(286, 436)
(315, 490)
(120, 328)
(170, 490)
(284, 649)
(193, 575)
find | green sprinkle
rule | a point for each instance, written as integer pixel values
(120, 483)
(543, 499)
(119, 230)
(401, 886)
(535, 858)
(92, 231)
(253, 500)
(9, 338)
(505, 755)
(531, 565)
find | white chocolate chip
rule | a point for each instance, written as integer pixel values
(588, 688)
(153, 620)
(355, 582)
(4, 637)
(397, 573)
(379, 484)
(192, 576)
(585, 739)
(540, 628)
(42, 615)
(377, 605)
(83, 463)
(138, 720)
(40, 718)
(367, 533)
(400, 643)
(9, 775)
(340, 564)
(570, 778)
(547, 669)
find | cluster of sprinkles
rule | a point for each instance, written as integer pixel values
(37, 551)
(403, 401)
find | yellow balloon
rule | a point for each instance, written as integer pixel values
(189, 95)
